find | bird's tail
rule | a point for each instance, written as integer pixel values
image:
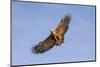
(41, 48)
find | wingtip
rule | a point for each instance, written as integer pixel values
(37, 49)
(68, 14)
(67, 17)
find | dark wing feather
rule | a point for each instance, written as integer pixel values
(63, 25)
(45, 45)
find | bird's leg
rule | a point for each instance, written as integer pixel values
(60, 40)
(57, 40)
(57, 37)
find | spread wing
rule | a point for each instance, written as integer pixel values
(45, 45)
(63, 25)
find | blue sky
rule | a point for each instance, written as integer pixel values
(32, 22)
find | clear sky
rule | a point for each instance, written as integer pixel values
(32, 22)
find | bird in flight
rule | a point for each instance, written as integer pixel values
(55, 38)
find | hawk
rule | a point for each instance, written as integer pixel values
(55, 38)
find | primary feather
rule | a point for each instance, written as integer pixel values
(45, 45)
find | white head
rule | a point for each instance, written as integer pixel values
(52, 30)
